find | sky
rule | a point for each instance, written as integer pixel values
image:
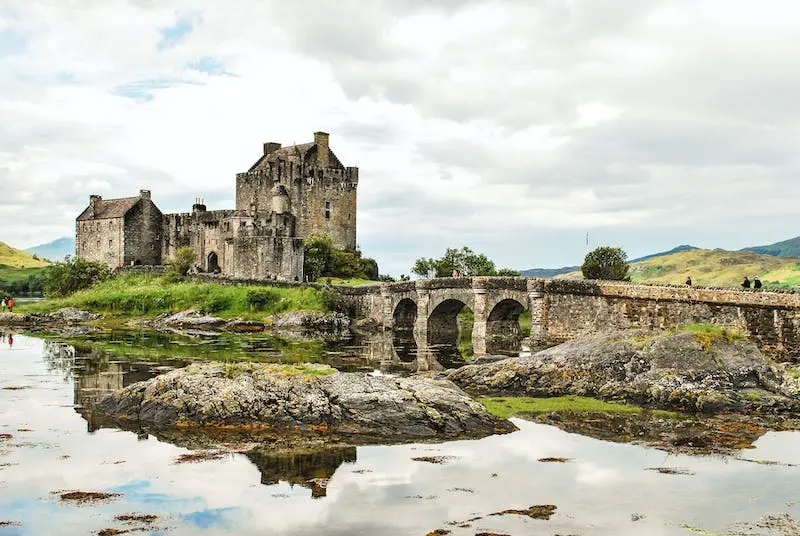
(514, 127)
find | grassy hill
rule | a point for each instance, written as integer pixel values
(19, 271)
(714, 267)
(785, 248)
(16, 258)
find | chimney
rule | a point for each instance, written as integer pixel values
(321, 139)
(271, 147)
(144, 194)
(94, 200)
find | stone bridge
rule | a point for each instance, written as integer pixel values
(565, 309)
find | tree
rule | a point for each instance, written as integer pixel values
(606, 263)
(464, 261)
(72, 275)
(323, 259)
(183, 261)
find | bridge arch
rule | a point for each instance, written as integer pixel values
(443, 321)
(503, 330)
(404, 315)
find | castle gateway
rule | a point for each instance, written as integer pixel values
(287, 195)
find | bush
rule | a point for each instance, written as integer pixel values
(333, 302)
(260, 299)
(606, 263)
(65, 278)
(323, 259)
(180, 265)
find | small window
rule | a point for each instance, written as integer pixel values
(327, 210)
(110, 243)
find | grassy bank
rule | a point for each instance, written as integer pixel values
(506, 407)
(147, 295)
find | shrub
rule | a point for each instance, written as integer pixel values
(180, 265)
(261, 299)
(65, 278)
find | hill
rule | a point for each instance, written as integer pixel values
(19, 271)
(548, 272)
(676, 249)
(552, 272)
(16, 258)
(714, 267)
(786, 248)
(55, 250)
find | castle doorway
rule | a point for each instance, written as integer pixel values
(213, 263)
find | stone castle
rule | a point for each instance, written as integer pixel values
(287, 195)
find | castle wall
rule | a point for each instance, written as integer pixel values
(328, 205)
(101, 241)
(256, 257)
(143, 228)
(176, 232)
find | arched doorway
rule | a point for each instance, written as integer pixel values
(213, 263)
(503, 331)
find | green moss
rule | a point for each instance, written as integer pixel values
(135, 295)
(708, 334)
(505, 407)
(704, 532)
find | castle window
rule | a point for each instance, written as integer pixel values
(110, 243)
(327, 210)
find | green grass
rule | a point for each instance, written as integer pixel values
(354, 282)
(145, 295)
(300, 369)
(505, 407)
(706, 334)
(12, 277)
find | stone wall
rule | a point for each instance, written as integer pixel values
(328, 205)
(101, 241)
(575, 308)
(143, 228)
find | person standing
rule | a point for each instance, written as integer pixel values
(689, 281)
(756, 282)
(4, 304)
(11, 305)
(746, 283)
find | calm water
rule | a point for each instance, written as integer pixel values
(347, 490)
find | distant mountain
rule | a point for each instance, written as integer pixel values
(677, 249)
(548, 272)
(16, 258)
(552, 272)
(787, 248)
(55, 250)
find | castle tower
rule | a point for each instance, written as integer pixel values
(316, 188)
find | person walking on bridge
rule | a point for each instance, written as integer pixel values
(756, 282)
(746, 283)
(689, 281)
(11, 305)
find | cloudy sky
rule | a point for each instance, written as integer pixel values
(511, 126)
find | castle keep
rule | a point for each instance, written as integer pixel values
(287, 195)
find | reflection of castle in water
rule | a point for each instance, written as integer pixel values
(310, 468)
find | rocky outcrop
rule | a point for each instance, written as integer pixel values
(309, 397)
(67, 315)
(311, 321)
(667, 370)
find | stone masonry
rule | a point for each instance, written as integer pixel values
(289, 194)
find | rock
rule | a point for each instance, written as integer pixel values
(322, 322)
(488, 359)
(193, 318)
(306, 398)
(71, 314)
(665, 370)
(238, 325)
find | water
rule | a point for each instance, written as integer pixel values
(344, 490)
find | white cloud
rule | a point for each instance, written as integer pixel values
(505, 125)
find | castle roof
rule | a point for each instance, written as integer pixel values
(306, 152)
(109, 208)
